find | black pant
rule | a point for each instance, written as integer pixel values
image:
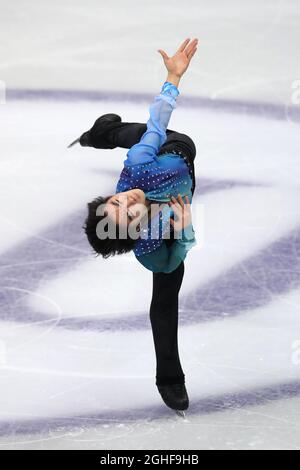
(166, 286)
(164, 322)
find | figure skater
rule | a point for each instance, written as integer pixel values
(158, 171)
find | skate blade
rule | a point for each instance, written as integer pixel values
(180, 413)
(74, 143)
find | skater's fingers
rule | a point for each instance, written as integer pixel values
(180, 200)
(174, 202)
(192, 53)
(191, 46)
(177, 209)
(187, 201)
(183, 45)
(163, 54)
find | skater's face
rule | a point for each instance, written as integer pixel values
(127, 207)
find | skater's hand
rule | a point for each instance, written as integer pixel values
(179, 62)
(182, 212)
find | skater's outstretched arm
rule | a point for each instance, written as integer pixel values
(161, 109)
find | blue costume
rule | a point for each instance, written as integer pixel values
(160, 177)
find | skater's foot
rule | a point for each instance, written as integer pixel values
(175, 396)
(85, 139)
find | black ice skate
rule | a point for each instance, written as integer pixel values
(84, 140)
(175, 397)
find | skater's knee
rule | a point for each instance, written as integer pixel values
(188, 141)
(181, 143)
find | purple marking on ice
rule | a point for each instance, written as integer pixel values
(252, 283)
(264, 110)
(55, 251)
(204, 406)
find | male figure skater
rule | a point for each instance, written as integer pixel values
(158, 170)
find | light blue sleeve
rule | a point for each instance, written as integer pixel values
(166, 259)
(155, 136)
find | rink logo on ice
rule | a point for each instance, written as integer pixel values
(296, 353)
(2, 92)
(295, 98)
(3, 354)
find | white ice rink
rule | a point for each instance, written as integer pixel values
(77, 360)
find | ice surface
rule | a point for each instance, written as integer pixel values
(74, 329)
(76, 354)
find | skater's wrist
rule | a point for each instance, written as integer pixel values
(175, 79)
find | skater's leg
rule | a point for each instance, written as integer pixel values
(164, 322)
(109, 135)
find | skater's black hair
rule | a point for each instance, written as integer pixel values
(107, 247)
